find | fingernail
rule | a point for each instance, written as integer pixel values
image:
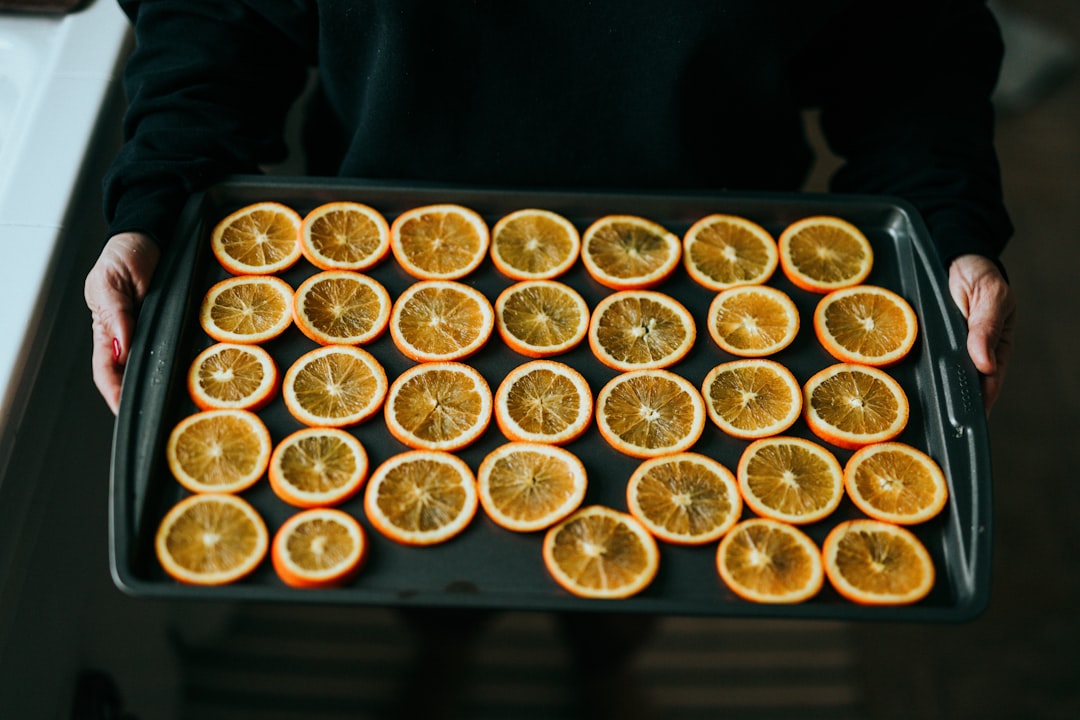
(116, 349)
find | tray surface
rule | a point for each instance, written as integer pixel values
(487, 566)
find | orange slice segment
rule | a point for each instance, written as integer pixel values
(598, 552)
(854, 405)
(641, 329)
(534, 244)
(437, 320)
(438, 406)
(211, 539)
(527, 487)
(824, 253)
(223, 451)
(876, 563)
(896, 483)
(627, 252)
(722, 251)
(752, 398)
(260, 239)
(540, 318)
(790, 479)
(421, 497)
(865, 324)
(344, 235)
(334, 386)
(543, 401)
(318, 467)
(247, 309)
(232, 376)
(684, 499)
(646, 413)
(318, 548)
(767, 561)
(341, 307)
(753, 320)
(439, 242)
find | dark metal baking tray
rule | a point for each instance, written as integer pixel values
(488, 566)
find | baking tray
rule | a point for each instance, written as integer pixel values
(487, 566)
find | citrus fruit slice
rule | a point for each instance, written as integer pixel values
(752, 398)
(334, 386)
(896, 483)
(626, 252)
(790, 479)
(317, 467)
(526, 487)
(439, 242)
(341, 307)
(438, 406)
(534, 244)
(646, 413)
(722, 251)
(540, 318)
(865, 324)
(232, 376)
(684, 499)
(767, 561)
(824, 253)
(543, 401)
(344, 235)
(753, 320)
(260, 239)
(317, 548)
(641, 329)
(441, 320)
(854, 405)
(875, 563)
(223, 451)
(598, 552)
(211, 539)
(421, 497)
(248, 309)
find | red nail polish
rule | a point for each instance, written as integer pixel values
(116, 349)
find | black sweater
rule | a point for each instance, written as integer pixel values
(612, 94)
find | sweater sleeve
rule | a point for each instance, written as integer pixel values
(208, 85)
(910, 114)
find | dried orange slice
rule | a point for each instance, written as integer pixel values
(646, 413)
(896, 483)
(341, 307)
(722, 251)
(543, 401)
(540, 318)
(232, 376)
(439, 242)
(223, 451)
(875, 563)
(641, 329)
(441, 320)
(334, 386)
(752, 398)
(753, 320)
(598, 552)
(684, 499)
(824, 253)
(318, 467)
(767, 561)
(438, 406)
(534, 244)
(248, 309)
(626, 252)
(854, 405)
(865, 324)
(790, 479)
(344, 235)
(260, 239)
(211, 539)
(318, 548)
(421, 497)
(527, 487)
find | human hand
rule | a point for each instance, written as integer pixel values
(114, 289)
(988, 304)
